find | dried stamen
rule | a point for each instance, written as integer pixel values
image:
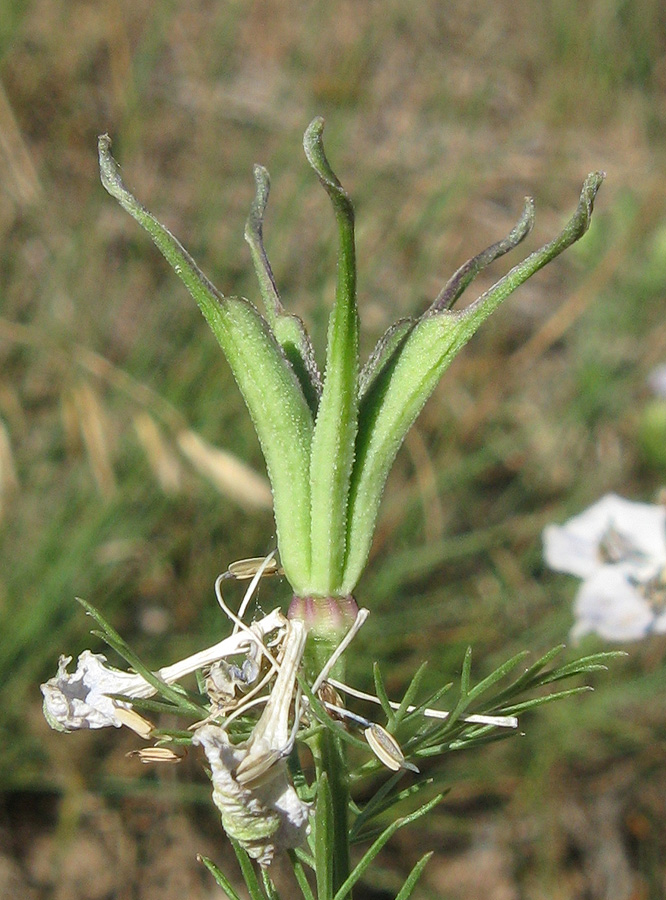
(386, 748)
(156, 755)
(498, 721)
(254, 565)
(361, 616)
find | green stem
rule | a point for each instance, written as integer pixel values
(335, 764)
(331, 764)
(327, 620)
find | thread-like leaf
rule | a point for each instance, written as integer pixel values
(466, 674)
(385, 836)
(497, 675)
(269, 887)
(382, 694)
(384, 798)
(408, 697)
(116, 642)
(540, 701)
(219, 877)
(250, 876)
(301, 877)
(324, 718)
(273, 395)
(594, 663)
(410, 882)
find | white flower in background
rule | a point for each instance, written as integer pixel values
(619, 548)
(615, 606)
(657, 381)
(613, 530)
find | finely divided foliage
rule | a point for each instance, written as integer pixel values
(250, 730)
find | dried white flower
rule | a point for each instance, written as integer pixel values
(265, 817)
(80, 699)
(259, 807)
(613, 530)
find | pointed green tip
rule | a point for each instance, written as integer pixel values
(589, 191)
(593, 182)
(313, 145)
(108, 167)
(262, 181)
(313, 133)
(255, 219)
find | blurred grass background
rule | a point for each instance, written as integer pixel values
(440, 117)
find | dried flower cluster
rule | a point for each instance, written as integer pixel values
(258, 665)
